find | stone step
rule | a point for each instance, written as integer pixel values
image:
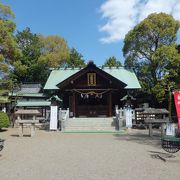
(77, 119)
(106, 125)
(89, 129)
(90, 119)
(90, 124)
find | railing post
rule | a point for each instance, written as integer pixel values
(60, 119)
(117, 117)
(68, 112)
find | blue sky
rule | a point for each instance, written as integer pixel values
(96, 28)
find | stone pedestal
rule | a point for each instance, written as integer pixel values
(32, 129)
(30, 123)
(20, 129)
(150, 130)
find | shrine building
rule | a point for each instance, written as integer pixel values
(91, 91)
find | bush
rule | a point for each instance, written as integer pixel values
(4, 120)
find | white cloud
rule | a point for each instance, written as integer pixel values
(123, 15)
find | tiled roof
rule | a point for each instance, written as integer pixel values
(33, 103)
(29, 88)
(127, 76)
(28, 111)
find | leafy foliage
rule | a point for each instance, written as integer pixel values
(5, 12)
(4, 120)
(55, 51)
(9, 50)
(151, 50)
(112, 62)
(75, 59)
(41, 53)
(27, 68)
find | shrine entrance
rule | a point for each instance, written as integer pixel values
(88, 93)
(92, 104)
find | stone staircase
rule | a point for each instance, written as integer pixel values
(90, 125)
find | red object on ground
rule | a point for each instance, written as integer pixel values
(177, 103)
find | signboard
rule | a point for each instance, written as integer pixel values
(177, 103)
(53, 118)
(170, 129)
(91, 79)
(128, 114)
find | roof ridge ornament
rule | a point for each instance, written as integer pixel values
(91, 63)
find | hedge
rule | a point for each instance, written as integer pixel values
(4, 120)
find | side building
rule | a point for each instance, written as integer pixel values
(30, 96)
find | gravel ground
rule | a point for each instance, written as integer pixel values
(55, 155)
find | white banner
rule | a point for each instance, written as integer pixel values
(170, 129)
(53, 118)
(128, 114)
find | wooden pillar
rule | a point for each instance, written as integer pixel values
(162, 129)
(110, 103)
(45, 112)
(74, 104)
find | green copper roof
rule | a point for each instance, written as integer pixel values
(125, 75)
(58, 76)
(27, 94)
(32, 94)
(33, 103)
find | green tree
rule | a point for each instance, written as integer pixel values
(112, 62)
(27, 68)
(75, 59)
(55, 51)
(150, 48)
(4, 120)
(8, 47)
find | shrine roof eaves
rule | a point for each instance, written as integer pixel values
(125, 75)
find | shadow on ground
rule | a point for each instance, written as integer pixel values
(3, 130)
(164, 157)
(15, 135)
(141, 138)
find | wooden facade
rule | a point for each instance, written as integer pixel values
(91, 92)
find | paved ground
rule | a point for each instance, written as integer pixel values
(53, 155)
